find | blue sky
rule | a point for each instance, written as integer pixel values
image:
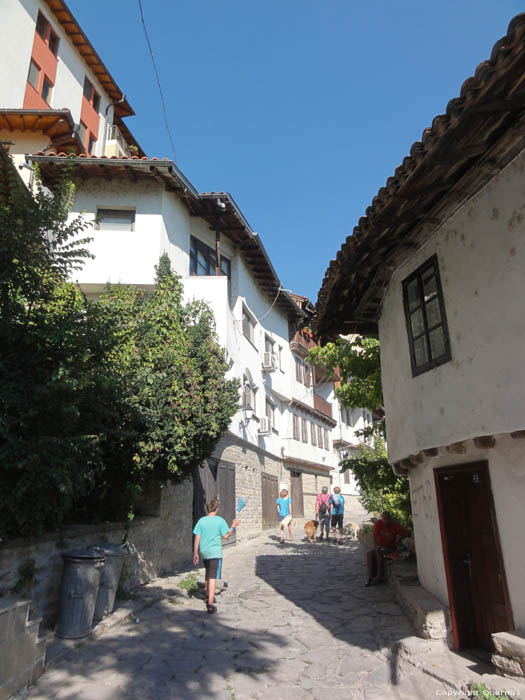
(301, 109)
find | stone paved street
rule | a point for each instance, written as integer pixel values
(295, 621)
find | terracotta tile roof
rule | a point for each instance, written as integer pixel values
(213, 207)
(481, 131)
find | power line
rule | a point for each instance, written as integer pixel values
(158, 78)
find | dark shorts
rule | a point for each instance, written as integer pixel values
(337, 521)
(213, 568)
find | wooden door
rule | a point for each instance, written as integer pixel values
(477, 586)
(226, 494)
(204, 487)
(296, 493)
(270, 492)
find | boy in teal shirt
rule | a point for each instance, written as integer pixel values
(209, 532)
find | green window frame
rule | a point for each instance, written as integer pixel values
(426, 319)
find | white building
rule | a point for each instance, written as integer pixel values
(444, 287)
(60, 100)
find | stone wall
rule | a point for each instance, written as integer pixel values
(158, 544)
(250, 461)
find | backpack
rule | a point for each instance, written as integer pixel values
(323, 509)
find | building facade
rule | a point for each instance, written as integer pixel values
(444, 288)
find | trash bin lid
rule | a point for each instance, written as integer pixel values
(113, 550)
(93, 553)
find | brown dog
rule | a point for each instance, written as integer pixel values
(311, 528)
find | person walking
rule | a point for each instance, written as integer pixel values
(337, 503)
(322, 512)
(284, 513)
(209, 533)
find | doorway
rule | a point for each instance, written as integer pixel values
(215, 479)
(270, 492)
(476, 582)
(296, 494)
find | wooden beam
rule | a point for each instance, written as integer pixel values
(457, 448)
(431, 452)
(506, 104)
(485, 441)
(518, 434)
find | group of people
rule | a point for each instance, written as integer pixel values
(329, 510)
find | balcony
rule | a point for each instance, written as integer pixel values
(116, 144)
(302, 342)
(322, 406)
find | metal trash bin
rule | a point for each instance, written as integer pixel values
(109, 578)
(78, 592)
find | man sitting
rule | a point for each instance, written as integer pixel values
(387, 534)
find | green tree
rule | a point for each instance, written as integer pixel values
(380, 488)
(173, 377)
(358, 363)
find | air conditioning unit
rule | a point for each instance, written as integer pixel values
(269, 361)
(264, 426)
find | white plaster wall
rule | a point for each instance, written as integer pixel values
(481, 257)
(127, 257)
(18, 21)
(175, 233)
(507, 475)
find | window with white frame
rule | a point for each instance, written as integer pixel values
(319, 436)
(313, 433)
(296, 431)
(270, 413)
(304, 430)
(280, 358)
(326, 439)
(248, 395)
(248, 325)
(115, 219)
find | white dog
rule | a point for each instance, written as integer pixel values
(352, 530)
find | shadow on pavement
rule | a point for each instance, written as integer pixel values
(327, 580)
(173, 651)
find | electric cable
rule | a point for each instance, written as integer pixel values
(158, 79)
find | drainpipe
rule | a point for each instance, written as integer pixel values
(110, 105)
(222, 206)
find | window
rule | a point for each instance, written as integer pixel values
(298, 370)
(203, 260)
(280, 358)
(296, 435)
(82, 130)
(34, 72)
(270, 413)
(47, 89)
(91, 94)
(313, 431)
(91, 143)
(43, 28)
(248, 395)
(307, 374)
(248, 326)
(319, 436)
(116, 219)
(426, 319)
(304, 430)
(268, 344)
(326, 439)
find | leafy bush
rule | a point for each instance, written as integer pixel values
(380, 488)
(96, 398)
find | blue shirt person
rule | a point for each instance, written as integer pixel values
(337, 502)
(209, 532)
(284, 513)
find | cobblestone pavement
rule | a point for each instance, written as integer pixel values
(295, 621)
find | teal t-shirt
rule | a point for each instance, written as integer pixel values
(284, 505)
(211, 528)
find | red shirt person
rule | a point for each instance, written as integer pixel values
(387, 534)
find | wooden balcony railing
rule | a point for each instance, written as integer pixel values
(302, 341)
(322, 405)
